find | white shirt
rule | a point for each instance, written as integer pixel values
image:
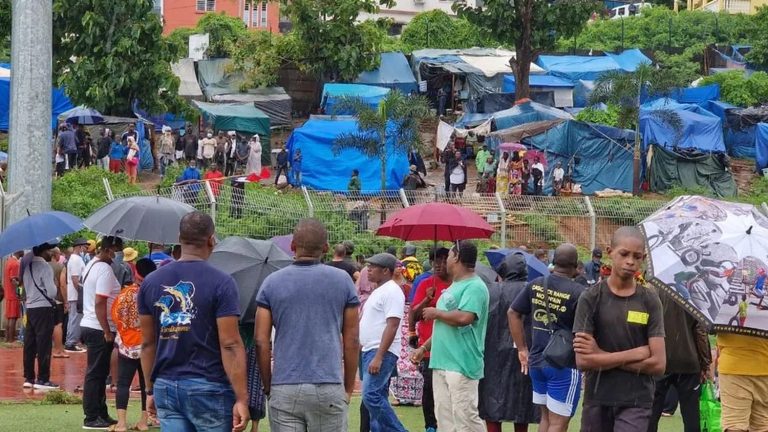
(75, 267)
(100, 280)
(558, 174)
(386, 301)
(457, 175)
(539, 166)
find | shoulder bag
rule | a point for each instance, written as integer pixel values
(32, 276)
(559, 350)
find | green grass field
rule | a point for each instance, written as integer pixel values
(57, 418)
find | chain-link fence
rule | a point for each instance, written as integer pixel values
(253, 210)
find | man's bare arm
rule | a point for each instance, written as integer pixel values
(233, 355)
(516, 329)
(589, 356)
(653, 365)
(350, 337)
(263, 338)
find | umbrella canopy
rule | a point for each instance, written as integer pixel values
(284, 243)
(435, 221)
(249, 262)
(711, 256)
(149, 218)
(529, 154)
(536, 268)
(82, 115)
(487, 274)
(38, 229)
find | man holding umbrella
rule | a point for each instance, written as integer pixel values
(40, 289)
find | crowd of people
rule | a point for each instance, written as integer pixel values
(473, 352)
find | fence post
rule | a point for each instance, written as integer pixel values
(592, 223)
(503, 216)
(108, 188)
(404, 198)
(211, 198)
(310, 206)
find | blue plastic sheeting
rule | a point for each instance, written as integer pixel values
(700, 131)
(671, 104)
(394, 72)
(581, 93)
(697, 95)
(761, 146)
(159, 120)
(508, 86)
(59, 104)
(371, 95)
(323, 170)
(718, 108)
(472, 120)
(741, 143)
(604, 155)
(589, 68)
(526, 113)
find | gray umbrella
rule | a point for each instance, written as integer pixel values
(148, 218)
(249, 262)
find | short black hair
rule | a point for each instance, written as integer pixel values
(467, 253)
(111, 242)
(196, 228)
(441, 253)
(145, 266)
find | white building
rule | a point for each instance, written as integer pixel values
(404, 10)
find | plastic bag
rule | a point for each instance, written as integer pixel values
(709, 408)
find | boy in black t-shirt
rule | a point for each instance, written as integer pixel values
(620, 342)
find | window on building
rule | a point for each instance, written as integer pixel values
(247, 14)
(206, 5)
(157, 7)
(264, 14)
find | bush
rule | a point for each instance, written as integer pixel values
(60, 397)
(81, 192)
(609, 116)
(737, 89)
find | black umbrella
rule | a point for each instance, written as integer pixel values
(249, 262)
(149, 218)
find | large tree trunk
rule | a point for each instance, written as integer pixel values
(524, 51)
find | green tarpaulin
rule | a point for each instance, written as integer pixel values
(243, 118)
(690, 171)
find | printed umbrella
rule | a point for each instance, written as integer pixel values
(82, 115)
(437, 222)
(536, 268)
(148, 218)
(711, 256)
(249, 262)
(38, 229)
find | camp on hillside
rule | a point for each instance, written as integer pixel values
(393, 72)
(242, 118)
(322, 169)
(701, 130)
(741, 130)
(589, 68)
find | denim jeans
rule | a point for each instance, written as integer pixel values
(194, 404)
(376, 393)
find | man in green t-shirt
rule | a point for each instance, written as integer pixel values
(458, 343)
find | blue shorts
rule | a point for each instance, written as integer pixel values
(557, 389)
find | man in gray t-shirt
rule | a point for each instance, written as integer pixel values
(314, 311)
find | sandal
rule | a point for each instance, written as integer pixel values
(137, 427)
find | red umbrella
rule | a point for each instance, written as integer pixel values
(435, 221)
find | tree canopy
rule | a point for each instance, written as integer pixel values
(759, 52)
(437, 29)
(738, 89)
(223, 31)
(5, 35)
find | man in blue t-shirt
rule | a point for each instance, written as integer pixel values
(551, 302)
(157, 254)
(314, 311)
(192, 356)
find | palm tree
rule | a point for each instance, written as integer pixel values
(624, 90)
(396, 120)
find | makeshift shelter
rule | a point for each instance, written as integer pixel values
(599, 157)
(59, 103)
(562, 89)
(701, 129)
(527, 112)
(582, 90)
(741, 130)
(332, 93)
(589, 68)
(690, 169)
(323, 169)
(761, 147)
(394, 72)
(243, 118)
(189, 88)
(519, 133)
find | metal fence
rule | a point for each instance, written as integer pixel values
(257, 211)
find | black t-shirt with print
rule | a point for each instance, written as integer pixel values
(563, 297)
(619, 324)
(346, 266)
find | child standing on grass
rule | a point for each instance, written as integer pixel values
(619, 342)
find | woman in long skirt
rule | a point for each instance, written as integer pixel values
(254, 157)
(502, 174)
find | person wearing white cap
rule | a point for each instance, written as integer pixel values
(254, 157)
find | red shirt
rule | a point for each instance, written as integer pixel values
(215, 178)
(424, 328)
(12, 267)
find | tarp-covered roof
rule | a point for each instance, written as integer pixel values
(184, 69)
(485, 61)
(574, 67)
(316, 140)
(332, 92)
(527, 112)
(59, 104)
(562, 89)
(699, 131)
(761, 146)
(237, 117)
(690, 170)
(671, 104)
(394, 72)
(519, 133)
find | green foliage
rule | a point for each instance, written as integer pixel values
(60, 397)
(171, 174)
(651, 30)
(258, 56)
(544, 228)
(110, 53)
(436, 29)
(739, 90)
(5, 35)
(4, 143)
(759, 52)
(329, 41)
(178, 42)
(609, 116)
(682, 68)
(405, 112)
(81, 192)
(222, 31)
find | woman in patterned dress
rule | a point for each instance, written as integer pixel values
(408, 385)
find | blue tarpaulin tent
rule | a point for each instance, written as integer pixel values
(601, 155)
(332, 92)
(394, 72)
(562, 89)
(581, 93)
(701, 130)
(573, 68)
(526, 113)
(718, 108)
(59, 104)
(761, 146)
(323, 170)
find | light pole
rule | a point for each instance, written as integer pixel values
(30, 150)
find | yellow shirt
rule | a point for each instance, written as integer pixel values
(742, 355)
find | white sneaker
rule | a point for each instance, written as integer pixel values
(39, 385)
(27, 385)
